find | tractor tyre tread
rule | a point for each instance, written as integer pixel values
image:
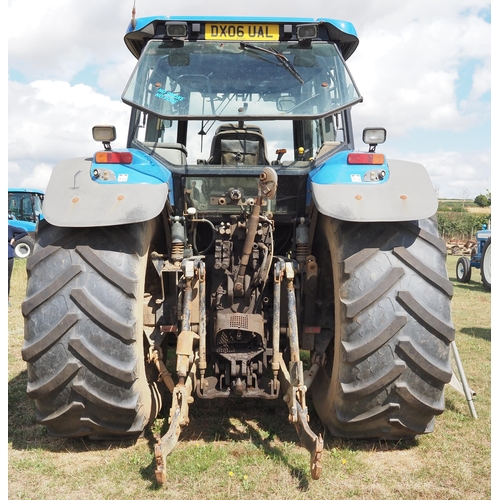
(390, 357)
(83, 331)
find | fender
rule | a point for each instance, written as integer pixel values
(74, 198)
(405, 194)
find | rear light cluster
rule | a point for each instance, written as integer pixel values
(113, 157)
(365, 159)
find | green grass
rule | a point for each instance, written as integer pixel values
(248, 449)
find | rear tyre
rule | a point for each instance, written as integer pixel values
(23, 247)
(486, 265)
(389, 360)
(83, 340)
(463, 270)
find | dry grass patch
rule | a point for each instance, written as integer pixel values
(479, 210)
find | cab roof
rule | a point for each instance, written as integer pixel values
(141, 30)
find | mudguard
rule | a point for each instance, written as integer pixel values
(74, 199)
(405, 194)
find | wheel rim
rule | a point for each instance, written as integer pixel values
(487, 265)
(22, 250)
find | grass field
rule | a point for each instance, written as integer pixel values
(249, 450)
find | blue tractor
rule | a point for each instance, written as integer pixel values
(25, 210)
(480, 259)
(238, 231)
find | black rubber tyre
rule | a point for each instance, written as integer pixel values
(23, 247)
(463, 270)
(389, 360)
(486, 265)
(84, 343)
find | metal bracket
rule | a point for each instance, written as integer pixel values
(462, 386)
(299, 416)
(187, 363)
(312, 443)
(156, 356)
(293, 381)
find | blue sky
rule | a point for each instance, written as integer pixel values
(423, 69)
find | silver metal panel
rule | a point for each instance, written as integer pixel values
(72, 199)
(408, 194)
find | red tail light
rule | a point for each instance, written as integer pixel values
(113, 157)
(365, 159)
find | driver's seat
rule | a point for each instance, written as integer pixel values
(238, 145)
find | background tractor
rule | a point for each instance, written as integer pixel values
(238, 233)
(480, 259)
(25, 210)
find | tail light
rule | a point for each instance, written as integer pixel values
(113, 157)
(365, 159)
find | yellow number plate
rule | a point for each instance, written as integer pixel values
(255, 32)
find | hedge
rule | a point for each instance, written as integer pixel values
(460, 225)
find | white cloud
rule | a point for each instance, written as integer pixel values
(408, 75)
(38, 177)
(455, 173)
(58, 39)
(481, 82)
(112, 79)
(52, 120)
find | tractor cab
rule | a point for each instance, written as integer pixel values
(285, 83)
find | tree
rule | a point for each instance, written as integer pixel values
(483, 200)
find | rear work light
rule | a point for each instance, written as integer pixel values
(307, 31)
(175, 30)
(113, 157)
(365, 159)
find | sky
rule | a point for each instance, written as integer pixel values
(423, 69)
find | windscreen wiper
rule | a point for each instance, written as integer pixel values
(281, 58)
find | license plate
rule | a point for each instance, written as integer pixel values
(256, 32)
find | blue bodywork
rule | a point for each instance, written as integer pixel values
(29, 227)
(338, 171)
(144, 169)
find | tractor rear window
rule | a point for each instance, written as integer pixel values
(239, 80)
